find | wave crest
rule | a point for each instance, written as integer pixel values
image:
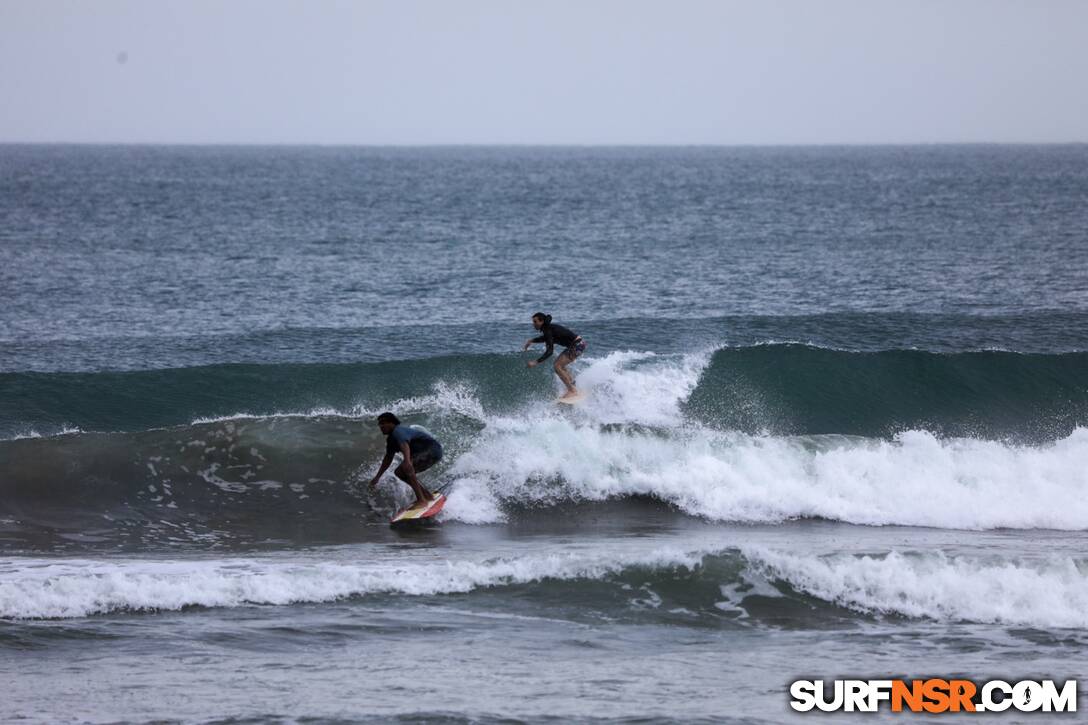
(713, 585)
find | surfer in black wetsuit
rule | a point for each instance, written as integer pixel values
(552, 335)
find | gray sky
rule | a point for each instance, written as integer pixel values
(580, 72)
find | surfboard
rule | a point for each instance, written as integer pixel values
(418, 514)
(572, 400)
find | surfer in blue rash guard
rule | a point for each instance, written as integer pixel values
(418, 448)
(552, 334)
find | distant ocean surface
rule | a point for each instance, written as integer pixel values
(837, 426)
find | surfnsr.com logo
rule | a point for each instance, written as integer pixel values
(934, 696)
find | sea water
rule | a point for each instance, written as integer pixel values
(836, 426)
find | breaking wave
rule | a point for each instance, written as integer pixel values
(644, 431)
(716, 586)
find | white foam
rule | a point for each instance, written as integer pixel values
(32, 433)
(629, 438)
(639, 387)
(472, 502)
(915, 479)
(47, 588)
(443, 398)
(1047, 592)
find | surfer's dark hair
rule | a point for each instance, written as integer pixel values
(388, 417)
(541, 316)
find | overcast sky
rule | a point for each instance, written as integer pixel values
(548, 72)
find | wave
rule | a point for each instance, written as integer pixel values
(779, 388)
(248, 477)
(212, 483)
(914, 479)
(86, 350)
(804, 390)
(1043, 592)
(77, 588)
(722, 586)
(232, 482)
(141, 400)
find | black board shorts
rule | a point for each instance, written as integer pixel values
(427, 456)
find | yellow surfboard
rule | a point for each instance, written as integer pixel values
(420, 513)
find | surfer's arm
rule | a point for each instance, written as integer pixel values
(547, 353)
(385, 465)
(549, 343)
